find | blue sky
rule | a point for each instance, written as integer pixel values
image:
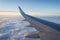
(46, 6)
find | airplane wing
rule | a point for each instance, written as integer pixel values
(47, 30)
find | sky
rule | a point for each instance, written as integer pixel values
(34, 7)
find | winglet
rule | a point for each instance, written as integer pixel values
(21, 11)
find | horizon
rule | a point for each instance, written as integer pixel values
(16, 13)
